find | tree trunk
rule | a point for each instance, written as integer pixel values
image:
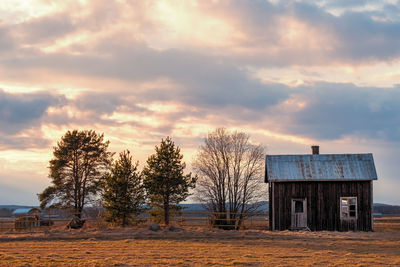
(240, 221)
(78, 212)
(166, 211)
(124, 219)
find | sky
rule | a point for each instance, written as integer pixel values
(291, 74)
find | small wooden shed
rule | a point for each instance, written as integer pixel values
(26, 212)
(320, 192)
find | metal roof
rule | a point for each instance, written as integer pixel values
(320, 167)
(22, 211)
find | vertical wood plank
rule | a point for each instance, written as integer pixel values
(323, 204)
(371, 206)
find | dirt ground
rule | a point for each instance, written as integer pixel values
(200, 246)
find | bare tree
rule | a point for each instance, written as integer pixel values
(230, 171)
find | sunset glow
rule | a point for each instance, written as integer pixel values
(289, 73)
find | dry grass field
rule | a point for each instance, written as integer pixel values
(93, 246)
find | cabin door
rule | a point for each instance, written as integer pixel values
(299, 213)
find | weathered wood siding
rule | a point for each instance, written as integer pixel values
(323, 204)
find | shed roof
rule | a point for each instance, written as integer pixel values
(23, 211)
(320, 167)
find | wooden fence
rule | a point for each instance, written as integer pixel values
(253, 220)
(187, 219)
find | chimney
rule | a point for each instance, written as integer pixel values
(315, 150)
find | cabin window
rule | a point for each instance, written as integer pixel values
(348, 208)
(298, 206)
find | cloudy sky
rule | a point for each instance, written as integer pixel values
(289, 73)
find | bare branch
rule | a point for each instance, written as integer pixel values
(230, 171)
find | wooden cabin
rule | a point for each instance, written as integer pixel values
(320, 191)
(26, 218)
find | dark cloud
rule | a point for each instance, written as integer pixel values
(98, 15)
(25, 38)
(345, 4)
(6, 42)
(332, 110)
(215, 83)
(44, 28)
(24, 111)
(102, 103)
(355, 36)
(95, 107)
(360, 37)
(203, 79)
(335, 110)
(20, 143)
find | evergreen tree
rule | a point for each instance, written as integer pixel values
(123, 191)
(80, 160)
(166, 184)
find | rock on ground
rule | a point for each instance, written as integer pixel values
(174, 229)
(154, 227)
(75, 223)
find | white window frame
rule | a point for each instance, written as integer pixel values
(344, 206)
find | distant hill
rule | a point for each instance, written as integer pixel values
(14, 207)
(381, 204)
(6, 210)
(192, 207)
(386, 209)
(199, 207)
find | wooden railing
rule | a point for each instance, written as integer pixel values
(222, 219)
(252, 220)
(187, 218)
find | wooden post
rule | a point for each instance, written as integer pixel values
(273, 208)
(372, 206)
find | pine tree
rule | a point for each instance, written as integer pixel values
(166, 184)
(123, 191)
(80, 160)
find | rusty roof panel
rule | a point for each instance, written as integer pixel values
(321, 167)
